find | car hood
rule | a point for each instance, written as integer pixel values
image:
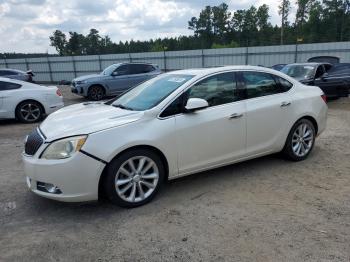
(87, 77)
(86, 118)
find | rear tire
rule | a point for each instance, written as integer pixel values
(134, 178)
(29, 112)
(300, 141)
(96, 93)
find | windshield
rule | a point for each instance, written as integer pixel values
(299, 71)
(109, 70)
(151, 92)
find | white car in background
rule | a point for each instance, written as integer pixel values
(27, 102)
(175, 124)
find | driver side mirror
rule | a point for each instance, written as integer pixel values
(115, 73)
(194, 104)
(325, 75)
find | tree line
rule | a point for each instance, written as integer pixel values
(216, 27)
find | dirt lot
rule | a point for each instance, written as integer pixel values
(266, 209)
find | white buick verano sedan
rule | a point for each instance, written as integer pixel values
(173, 125)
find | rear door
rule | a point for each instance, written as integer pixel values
(267, 110)
(139, 73)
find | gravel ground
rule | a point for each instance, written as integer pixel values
(266, 209)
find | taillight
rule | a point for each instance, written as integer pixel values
(324, 98)
(58, 92)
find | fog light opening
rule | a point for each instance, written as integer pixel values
(48, 188)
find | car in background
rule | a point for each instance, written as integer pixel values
(27, 102)
(17, 74)
(334, 80)
(278, 67)
(175, 124)
(114, 80)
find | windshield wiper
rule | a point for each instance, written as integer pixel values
(123, 107)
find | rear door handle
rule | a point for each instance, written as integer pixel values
(235, 116)
(284, 104)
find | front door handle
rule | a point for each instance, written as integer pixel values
(235, 116)
(284, 104)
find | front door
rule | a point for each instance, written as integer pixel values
(215, 135)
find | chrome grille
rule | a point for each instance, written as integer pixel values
(33, 142)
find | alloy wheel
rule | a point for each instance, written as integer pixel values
(302, 140)
(96, 93)
(136, 179)
(30, 112)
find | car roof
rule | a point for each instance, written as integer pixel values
(310, 64)
(12, 70)
(207, 71)
(12, 80)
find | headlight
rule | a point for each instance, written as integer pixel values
(81, 82)
(64, 148)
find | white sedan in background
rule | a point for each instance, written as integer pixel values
(27, 102)
(173, 125)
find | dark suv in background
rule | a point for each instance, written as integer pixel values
(114, 80)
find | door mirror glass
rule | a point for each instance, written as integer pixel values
(325, 75)
(194, 104)
(115, 73)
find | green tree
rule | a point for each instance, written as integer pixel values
(58, 41)
(283, 10)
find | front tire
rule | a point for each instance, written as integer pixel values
(96, 93)
(300, 141)
(134, 178)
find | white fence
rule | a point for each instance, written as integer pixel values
(54, 69)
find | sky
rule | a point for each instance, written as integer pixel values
(25, 25)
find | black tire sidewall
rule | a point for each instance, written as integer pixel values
(113, 167)
(288, 148)
(19, 116)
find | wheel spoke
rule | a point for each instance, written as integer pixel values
(125, 188)
(121, 182)
(141, 193)
(142, 162)
(150, 176)
(150, 165)
(124, 171)
(147, 184)
(132, 193)
(131, 165)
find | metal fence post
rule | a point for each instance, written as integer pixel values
(296, 53)
(246, 55)
(164, 56)
(99, 62)
(6, 64)
(50, 70)
(130, 58)
(203, 64)
(26, 62)
(74, 67)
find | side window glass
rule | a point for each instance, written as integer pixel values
(285, 85)
(319, 72)
(122, 70)
(8, 86)
(260, 84)
(149, 68)
(216, 90)
(174, 108)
